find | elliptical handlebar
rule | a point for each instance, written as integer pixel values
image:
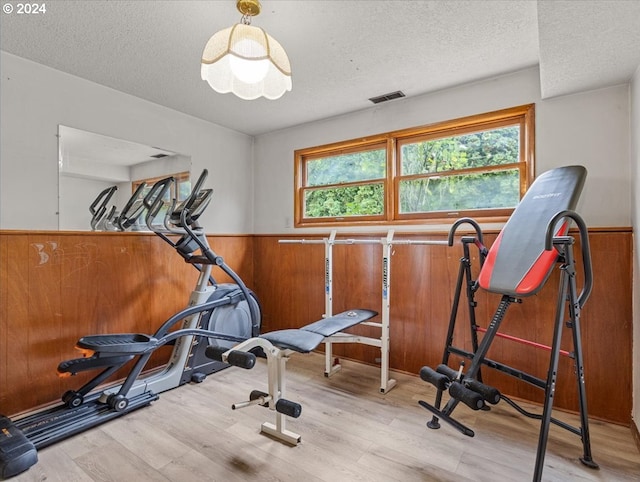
(98, 207)
(167, 216)
(196, 188)
(104, 196)
(195, 204)
(132, 210)
(181, 219)
(153, 201)
(218, 261)
(173, 222)
(458, 223)
(584, 242)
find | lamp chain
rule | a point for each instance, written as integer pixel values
(248, 9)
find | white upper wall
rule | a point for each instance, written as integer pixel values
(35, 99)
(591, 129)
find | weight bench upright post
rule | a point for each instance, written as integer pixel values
(329, 367)
(277, 385)
(386, 383)
(332, 365)
(383, 342)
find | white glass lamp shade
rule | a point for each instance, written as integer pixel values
(247, 61)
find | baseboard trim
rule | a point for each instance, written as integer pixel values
(635, 434)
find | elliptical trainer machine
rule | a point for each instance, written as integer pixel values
(218, 315)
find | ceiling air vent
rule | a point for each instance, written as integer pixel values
(390, 96)
(160, 156)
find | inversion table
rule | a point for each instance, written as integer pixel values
(532, 242)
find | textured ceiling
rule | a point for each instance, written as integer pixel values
(341, 52)
(585, 45)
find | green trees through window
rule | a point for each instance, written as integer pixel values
(454, 192)
(351, 197)
(481, 163)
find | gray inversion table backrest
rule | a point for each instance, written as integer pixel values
(517, 263)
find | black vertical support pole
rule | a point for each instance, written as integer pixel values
(483, 348)
(462, 269)
(490, 334)
(464, 261)
(574, 311)
(552, 373)
(471, 301)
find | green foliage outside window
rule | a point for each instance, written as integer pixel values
(474, 166)
(478, 190)
(497, 189)
(358, 200)
(479, 149)
(184, 189)
(361, 200)
(344, 168)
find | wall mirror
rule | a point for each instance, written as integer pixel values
(91, 164)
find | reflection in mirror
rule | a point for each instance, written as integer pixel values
(102, 180)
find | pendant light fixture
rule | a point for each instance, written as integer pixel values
(246, 60)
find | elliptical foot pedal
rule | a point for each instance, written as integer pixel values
(17, 452)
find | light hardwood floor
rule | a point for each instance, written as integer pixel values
(349, 431)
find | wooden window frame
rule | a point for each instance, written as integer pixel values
(523, 116)
(173, 193)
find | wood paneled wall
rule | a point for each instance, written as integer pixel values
(57, 287)
(289, 279)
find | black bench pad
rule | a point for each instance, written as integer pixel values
(296, 340)
(308, 337)
(342, 321)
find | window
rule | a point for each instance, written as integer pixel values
(476, 166)
(179, 191)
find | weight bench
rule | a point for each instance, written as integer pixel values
(532, 242)
(278, 346)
